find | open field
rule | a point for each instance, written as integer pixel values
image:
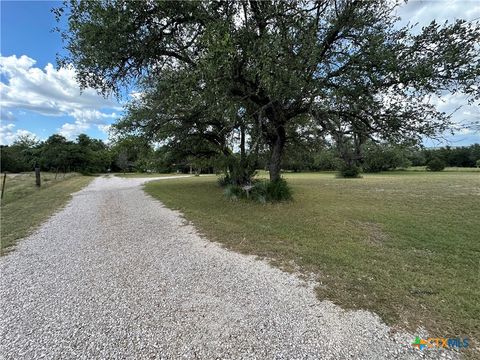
(24, 206)
(403, 244)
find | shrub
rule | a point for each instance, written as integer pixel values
(261, 191)
(233, 192)
(271, 191)
(224, 180)
(349, 171)
(435, 164)
(278, 191)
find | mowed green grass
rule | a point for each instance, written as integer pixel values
(403, 244)
(146, 175)
(447, 169)
(24, 206)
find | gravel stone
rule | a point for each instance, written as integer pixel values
(116, 275)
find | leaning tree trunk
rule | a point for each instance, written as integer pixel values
(278, 147)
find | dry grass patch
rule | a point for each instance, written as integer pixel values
(25, 206)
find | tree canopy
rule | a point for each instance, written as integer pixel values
(237, 78)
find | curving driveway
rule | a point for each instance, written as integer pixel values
(117, 275)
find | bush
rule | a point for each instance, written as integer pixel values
(233, 192)
(349, 171)
(435, 164)
(278, 191)
(261, 191)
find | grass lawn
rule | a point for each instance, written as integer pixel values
(146, 175)
(403, 244)
(447, 169)
(24, 206)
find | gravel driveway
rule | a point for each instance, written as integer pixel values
(117, 275)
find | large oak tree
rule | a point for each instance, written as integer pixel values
(271, 70)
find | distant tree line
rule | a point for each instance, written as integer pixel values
(56, 154)
(89, 156)
(375, 157)
(135, 153)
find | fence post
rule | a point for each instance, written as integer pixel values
(37, 175)
(3, 184)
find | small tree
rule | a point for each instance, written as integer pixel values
(436, 164)
(478, 163)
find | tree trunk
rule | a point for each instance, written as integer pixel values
(242, 143)
(244, 175)
(359, 141)
(278, 147)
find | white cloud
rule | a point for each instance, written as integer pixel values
(83, 121)
(105, 128)
(48, 91)
(463, 114)
(93, 116)
(8, 134)
(71, 130)
(51, 92)
(423, 12)
(136, 95)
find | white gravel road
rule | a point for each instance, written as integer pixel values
(116, 275)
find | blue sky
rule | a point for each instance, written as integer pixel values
(38, 99)
(35, 97)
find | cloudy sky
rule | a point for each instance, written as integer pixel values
(38, 99)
